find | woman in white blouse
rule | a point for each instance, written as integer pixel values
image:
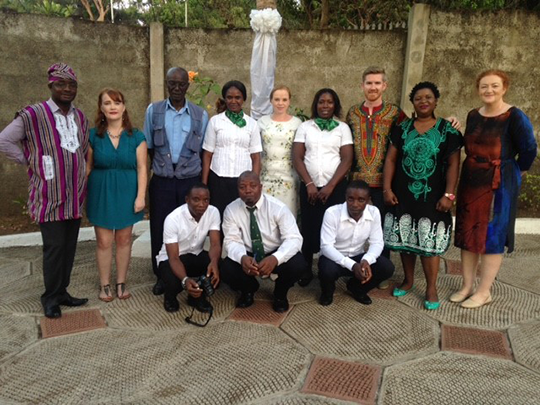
(322, 156)
(232, 145)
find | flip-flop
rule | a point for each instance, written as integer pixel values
(121, 295)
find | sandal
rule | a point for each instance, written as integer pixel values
(121, 291)
(106, 289)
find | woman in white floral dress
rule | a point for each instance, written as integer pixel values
(277, 131)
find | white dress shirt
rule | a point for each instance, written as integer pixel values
(180, 227)
(342, 237)
(231, 145)
(322, 156)
(276, 223)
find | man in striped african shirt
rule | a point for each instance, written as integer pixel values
(51, 139)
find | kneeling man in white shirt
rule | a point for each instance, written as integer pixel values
(261, 240)
(182, 258)
(345, 230)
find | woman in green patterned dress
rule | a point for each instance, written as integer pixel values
(420, 175)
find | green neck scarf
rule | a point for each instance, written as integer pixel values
(236, 118)
(326, 124)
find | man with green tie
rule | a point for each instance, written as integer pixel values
(262, 240)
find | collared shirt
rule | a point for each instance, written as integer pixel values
(276, 223)
(322, 156)
(177, 127)
(231, 145)
(180, 227)
(342, 237)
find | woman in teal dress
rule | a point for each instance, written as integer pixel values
(116, 168)
(420, 175)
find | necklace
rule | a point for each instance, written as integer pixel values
(114, 136)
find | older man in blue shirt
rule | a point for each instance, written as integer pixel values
(174, 130)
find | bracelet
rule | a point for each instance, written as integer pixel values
(184, 282)
(384, 191)
(309, 183)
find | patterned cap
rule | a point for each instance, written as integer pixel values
(61, 71)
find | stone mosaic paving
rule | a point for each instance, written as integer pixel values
(148, 356)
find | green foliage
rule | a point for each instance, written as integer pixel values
(22, 202)
(299, 112)
(529, 197)
(200, 88)
(297, 14)
(47, 7)
(201, 13)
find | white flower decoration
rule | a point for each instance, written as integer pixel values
(265, 21)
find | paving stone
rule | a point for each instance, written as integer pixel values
(522, 272)
(16, 333)
(343, 380)
(306, 399)
(12, 270)
(525, 339)
(73, 322)
(452, 378)
(475, 341)
(145, 310)
(259, 312)
(229, 363)
(87, 368)
(340, 330)
(510, 305)
(384, 294)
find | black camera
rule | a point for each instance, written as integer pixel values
(205, 284)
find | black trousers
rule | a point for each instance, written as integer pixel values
(59, 247)
(223, 191)
(377, 198)
(166, 194)
(330, 271)
(195, 265)
(312, 218)
(288, 273)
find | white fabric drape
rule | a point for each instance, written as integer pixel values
(266, 23)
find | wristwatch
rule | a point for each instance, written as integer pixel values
(450, 196)
(184, 282)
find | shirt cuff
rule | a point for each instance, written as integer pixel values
(279, 256)
(348, 263)
(369, 258)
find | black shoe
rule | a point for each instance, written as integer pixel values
(159, 287)
(245, 300)
(304, 281)
(171, 304)
(362, 298)
(52, 311)
(74, 302)
(201, 304)
(326, 299)
(280, 304)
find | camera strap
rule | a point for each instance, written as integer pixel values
(201, 325)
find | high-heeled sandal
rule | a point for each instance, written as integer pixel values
(107, 290)
(122, 293)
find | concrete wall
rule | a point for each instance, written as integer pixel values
(101, 54)
(460, 46)
(306, 60)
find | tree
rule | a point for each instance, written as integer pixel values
(102, 10)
